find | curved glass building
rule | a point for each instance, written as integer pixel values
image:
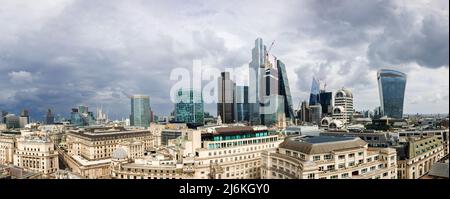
(391, 85)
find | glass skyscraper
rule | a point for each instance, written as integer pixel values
(256, 80)
(241, 104)
(189, 107)
(269, 95)
(225, 106)
(326, 100)
(391, 86)
(140, 111)
(285, 90)
(314, 97)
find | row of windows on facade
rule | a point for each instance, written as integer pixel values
(343, 175)
(240, 143)
(282, 163)
(115, 141)
(325, 157)
(30, 153)
(239, 150)
(235, 158)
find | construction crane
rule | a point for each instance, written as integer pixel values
(126, 94)
(271, 45)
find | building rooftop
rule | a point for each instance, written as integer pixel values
(224, 130)
(85, 162)
(109, 134)
(439, 170)
(321, 144)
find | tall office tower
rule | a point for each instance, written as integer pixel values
(304, 115)
(285, 90)
(343, 105)
(326, 101)
(140, 111)
(315, 113)
(256, 72)
(49, 118)
(189, 107)
(391, 86)
(241, 104)
(225, 105)
(24, 118)
(314, 97)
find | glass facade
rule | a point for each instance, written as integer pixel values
(285, 90)
(82, 118)
(391, 86)
(225, 106)
(140, 111)
(241, 104)
(256, 73)
(240, 136)
(326, 100)
(314, 97)
(273, 110)
(189, 107)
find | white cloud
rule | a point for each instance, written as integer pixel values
(20, 77)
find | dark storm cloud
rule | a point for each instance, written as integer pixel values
(427, 44)
(59, 54)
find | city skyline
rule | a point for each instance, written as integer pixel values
(60, 54)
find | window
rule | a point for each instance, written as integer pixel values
(344, 175)
(316, 158)
(334, 177)
(360, 153)
(360, 161)
(341, 157)
(330, 167)
(341, 166)
(302, 157)
(351, 155)
(369, 159)
(364, 171)
(311, 176)
(351, 164)
(327, 157)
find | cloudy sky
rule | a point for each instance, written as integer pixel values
(61, 53)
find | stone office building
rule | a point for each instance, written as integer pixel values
(328, 157)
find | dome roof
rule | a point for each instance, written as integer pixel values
(325, 121)
(338, 109)
(336, 124)
(119, 153)
(345, 92)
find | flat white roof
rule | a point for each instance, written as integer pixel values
(85, 162)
